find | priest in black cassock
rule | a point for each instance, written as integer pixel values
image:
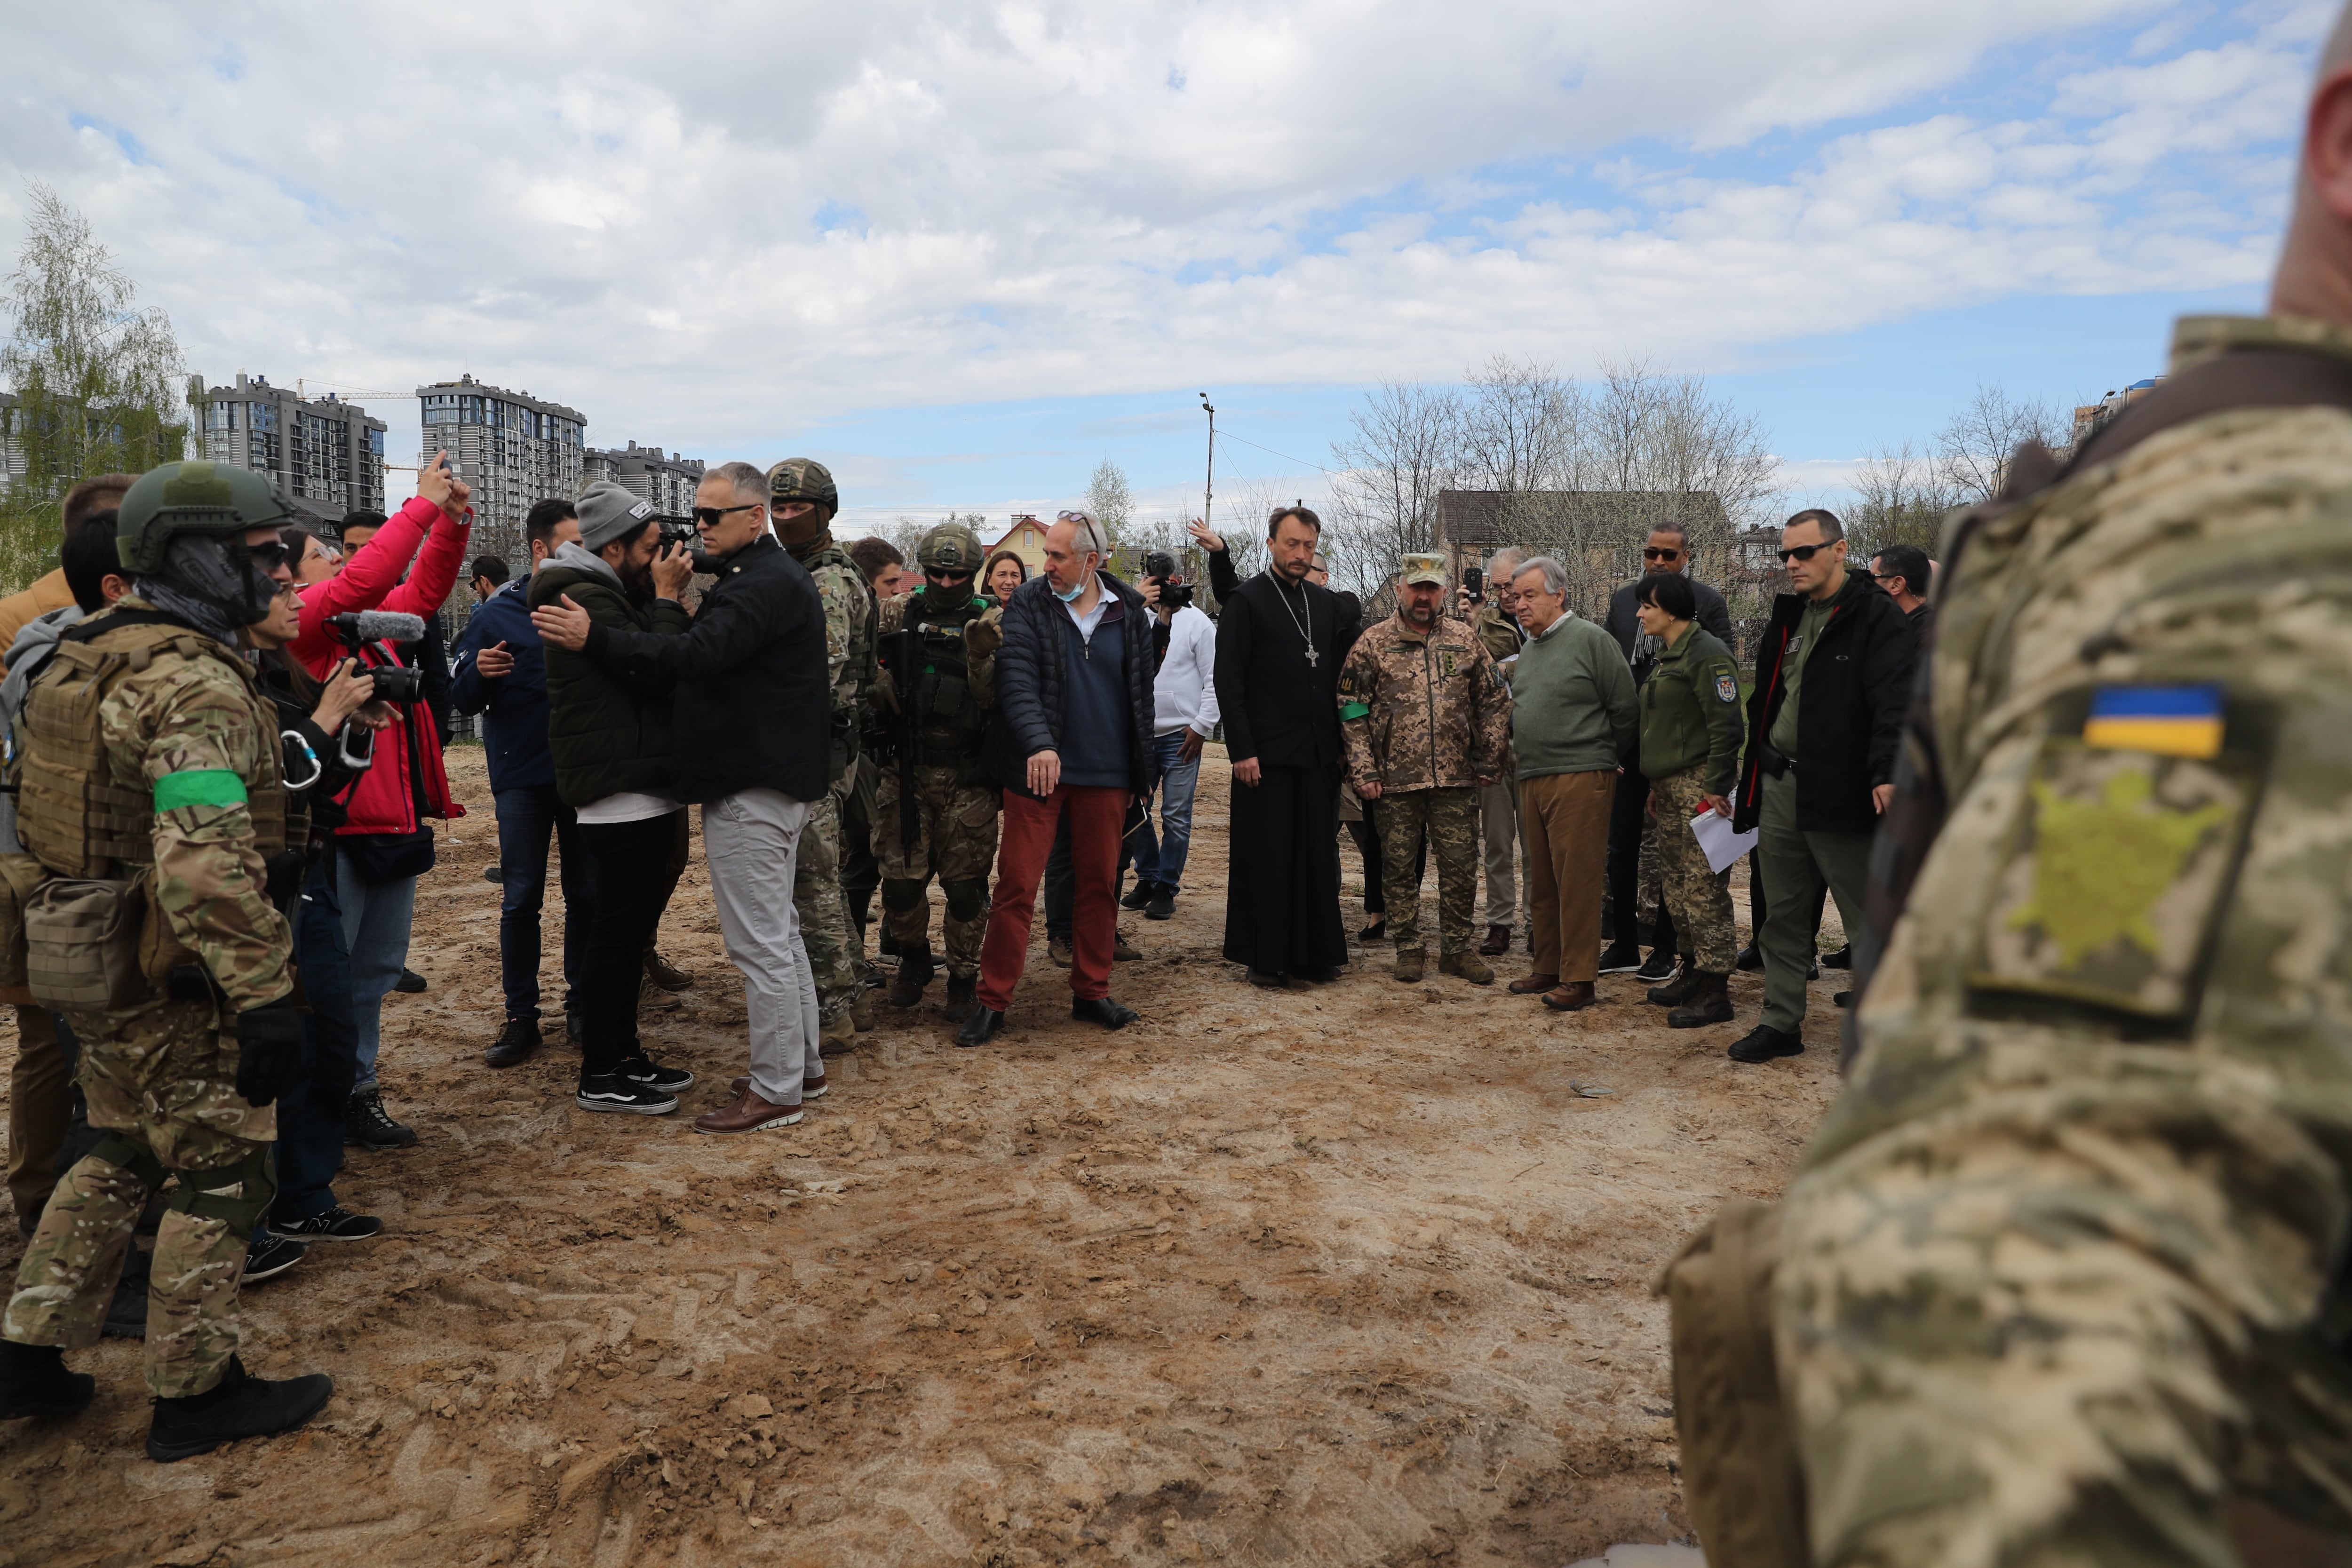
(1278, 654)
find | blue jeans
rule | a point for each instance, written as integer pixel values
(310, 1115)
(1161, 860)
(526, 818)
(376, 917)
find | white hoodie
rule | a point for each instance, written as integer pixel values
(1185, 693)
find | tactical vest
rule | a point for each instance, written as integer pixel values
(952, 721)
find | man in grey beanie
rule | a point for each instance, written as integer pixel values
(610, 739)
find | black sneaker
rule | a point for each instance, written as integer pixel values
(268, 1256)
(514, 1045)
(369, 1125)
(1750, 960)
(1162, 905)
(1620, 958)
(237, 1406)
(1658, 968)
(611, 1091)
(644, 1072)
(1842, 959)
(410, 982)
(337, 1224)
(1137, 896)
(34, 1382)
(1762, 1043)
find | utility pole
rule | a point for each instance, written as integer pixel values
(1209, 491)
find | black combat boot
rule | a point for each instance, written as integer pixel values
(1675, 992)
(964, 995)
(514, 1045)
(1708, 1001)
(237, 1406)
(915, 972)
(34, 1382)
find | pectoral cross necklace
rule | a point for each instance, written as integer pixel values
(1304, 622)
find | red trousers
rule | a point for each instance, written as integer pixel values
(1096, 816)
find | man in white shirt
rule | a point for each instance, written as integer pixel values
(1184, 714)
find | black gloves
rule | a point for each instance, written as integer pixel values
(269, 1051)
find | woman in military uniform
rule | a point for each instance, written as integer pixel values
(1691, 729)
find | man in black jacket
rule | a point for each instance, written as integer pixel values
(1667, 551)
(1072, 733)
(1279, 655)
(748, 724)
(1833, 677)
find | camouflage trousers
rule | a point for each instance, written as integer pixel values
(160, 1080)
(825, 931)
(1698, 899)
(1650, 875)
(956, 827)
(1451, 818)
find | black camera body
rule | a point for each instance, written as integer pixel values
(379, 629)
(1159, 565)
(680, 534)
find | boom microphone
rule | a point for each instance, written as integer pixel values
(379, 626)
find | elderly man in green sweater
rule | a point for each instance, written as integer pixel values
(1572, 716)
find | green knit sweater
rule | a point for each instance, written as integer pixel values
(1572, 708)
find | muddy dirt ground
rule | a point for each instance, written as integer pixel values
(1337, 1276)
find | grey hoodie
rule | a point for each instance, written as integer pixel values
(580, 558)
(26, 657)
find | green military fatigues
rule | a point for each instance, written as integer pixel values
(1691, 734)
(2061, 1278)
(1424, 716)
(958, 809)
(827, 929)
(188, 735)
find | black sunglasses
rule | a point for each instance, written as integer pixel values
(270, 557)
(1649, 554)
(937, 575)
(1801, 551)
(708, 516)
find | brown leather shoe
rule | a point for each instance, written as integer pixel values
(1535, 983)
(749, 1114)
(1497, 942)
(1573, 997)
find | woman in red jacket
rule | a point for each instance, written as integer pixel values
(388, 842)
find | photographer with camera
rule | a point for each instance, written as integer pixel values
(386, 841)
(1184, 704)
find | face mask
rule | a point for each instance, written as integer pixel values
(1071, 597)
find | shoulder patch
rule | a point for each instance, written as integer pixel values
(1727, 686)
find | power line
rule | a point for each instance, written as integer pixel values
(1284, 456)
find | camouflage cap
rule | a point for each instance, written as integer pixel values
(1424, 569)
(949, 547)
(802, 478)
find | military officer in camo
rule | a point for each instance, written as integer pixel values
(939, 650)
(149, 783)
(1425, 723)
(2063, 1278)
(802, 501)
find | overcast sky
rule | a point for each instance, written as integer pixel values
(962, 252)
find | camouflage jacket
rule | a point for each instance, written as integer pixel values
(2050, 1269)
(1423, 712)
(1499, 634)
(192, 735)
(953, 731)
(852, 622)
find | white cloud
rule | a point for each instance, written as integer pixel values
(723, 222)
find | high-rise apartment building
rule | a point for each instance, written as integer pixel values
(323, 454)
(512, 448)
(666, 481)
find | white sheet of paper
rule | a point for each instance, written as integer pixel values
(1722, 845)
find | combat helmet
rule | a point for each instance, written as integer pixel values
(949, 547)
(802, 479)
(215, 502)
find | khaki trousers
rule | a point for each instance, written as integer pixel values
(1565, 817)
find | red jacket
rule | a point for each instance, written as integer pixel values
(406, 775)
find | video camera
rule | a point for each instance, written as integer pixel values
(678, 533)
(1161, 566)
(395, 681)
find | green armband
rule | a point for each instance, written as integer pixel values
(198, 786)
(1353, 711)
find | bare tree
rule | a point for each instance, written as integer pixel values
(1901, 497)
(1975, 446)
(1403, 444)
(1110, 500)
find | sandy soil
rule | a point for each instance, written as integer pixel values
(1347, 1276)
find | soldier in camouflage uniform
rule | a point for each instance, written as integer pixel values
(940, 657)
(151, 762)
(1426, 724)
(1692, 731)
(2061, 1280)
(802, 501)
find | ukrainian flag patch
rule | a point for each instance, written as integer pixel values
(2163, 720)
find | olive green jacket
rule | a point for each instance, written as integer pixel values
(1691, 713)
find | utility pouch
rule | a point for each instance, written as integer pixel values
(81, 945)
(1740, 1471)
(159, 951)
(21, 877)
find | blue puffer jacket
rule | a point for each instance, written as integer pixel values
(1032, 684)
(515, 734)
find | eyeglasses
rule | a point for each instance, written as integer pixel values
(1649, 554)
(1073, 517)
(1801, 551)
(708, 516)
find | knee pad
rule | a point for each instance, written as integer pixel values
(902, 893)
(966, 899)
(131, 1154)
(237, 1195)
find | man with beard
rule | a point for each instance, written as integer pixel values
(1278, 654)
